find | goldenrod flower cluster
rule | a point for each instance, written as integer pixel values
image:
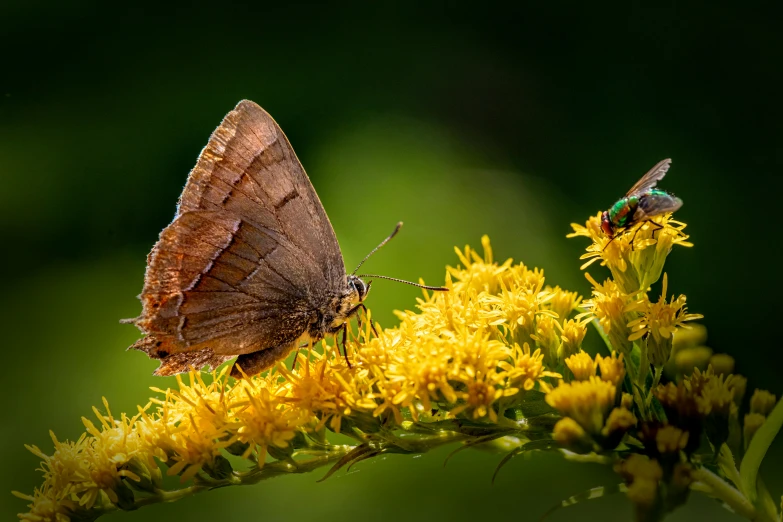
(668, 421)
(496, 361)
(474, 354)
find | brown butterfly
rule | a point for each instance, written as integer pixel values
(250, 266)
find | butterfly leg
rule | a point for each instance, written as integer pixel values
(345, 348)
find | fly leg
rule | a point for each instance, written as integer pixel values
(657, 228)
(620, 233)
(634, 235)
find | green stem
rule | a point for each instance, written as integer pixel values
(656, 379)
(757, 448)
(719, 488)
(269, 470)
(601, 333)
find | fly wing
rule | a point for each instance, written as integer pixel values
(649, 180)
(655, 204)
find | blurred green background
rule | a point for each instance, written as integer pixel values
(510, 120)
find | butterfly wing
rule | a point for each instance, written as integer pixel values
(649, 180)
(250, 169)
(249, 257)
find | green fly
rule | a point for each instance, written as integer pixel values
(641, 203)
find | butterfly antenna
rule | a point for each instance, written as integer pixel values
(396, 229)
(436, 288)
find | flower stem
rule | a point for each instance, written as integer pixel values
(757, 448)
(721, 489)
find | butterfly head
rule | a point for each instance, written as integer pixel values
(358, 289)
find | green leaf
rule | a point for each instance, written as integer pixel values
(481, 440)
(125, 498)
(543, 444)
(757, 448)
(359, 452)
(534, 405)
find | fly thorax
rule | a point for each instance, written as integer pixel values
(622, 211)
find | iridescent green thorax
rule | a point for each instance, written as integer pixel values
(622, 212)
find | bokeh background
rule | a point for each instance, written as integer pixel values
(510, 120)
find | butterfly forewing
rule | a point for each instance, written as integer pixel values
(649, 180)
(249, 168)
(249, 257)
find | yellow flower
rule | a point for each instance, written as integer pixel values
(691, 337)
(479, 396)
(547, 337)
(609, 305)
(587, 402)
(688, 359)
(620, 420)
(263, 420)
(658, 322)
(563, 303)
(762, 402)
(671, 439)
(526, 369)
(722, 363)
(634, 257)
(316, 388)
(612, 368)
(47, 504)
(581, 365)
(642, 475)
(572, 334)
(515, 309)
(750, 426)
(107, 457)
(569, 434)
(702, 399)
